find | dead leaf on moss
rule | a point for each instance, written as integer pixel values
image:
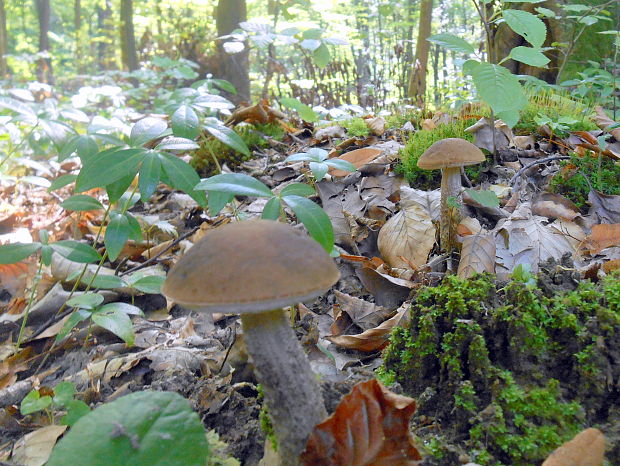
(376, 125)
(369, 427)
(587, 448)
(603, 236)
(477, 255)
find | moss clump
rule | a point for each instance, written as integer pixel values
(398, 119)
(509, 373)
(422, 140)
(265, 420)
(555, 105)
(571, 182)
(252, 135)
(356, 127)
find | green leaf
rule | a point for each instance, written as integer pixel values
(498, 87)
(107, 167)
(305, 112)
(530, 26)
(529, 56)
(46, 254)
(154, 428)
(185, 123)
(146, 130)
(34, 402)
(486, 198)
(117, 322)
(217, 201)
(469, 66)
(86, 147)
(510, 117)
(150, 172)
(318, 169)
(81, 202)
(104, 281)
(17, 106)
(271, 211)
(63, 393)
(74, 319)
(75, 251)
(321, 56)
(298, 189)
(61, 181)
(125, 308)
(117, 190)
(453, 43)
(180, 144)
(181, 175)
(341, 165)
(237, 184)
(314, 219)
(75, 410)
(12, 253)
(116, 235)
(88, 300)
(226, 135)
(150, 284)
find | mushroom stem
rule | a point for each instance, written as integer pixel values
(450, 217)
(292, 393)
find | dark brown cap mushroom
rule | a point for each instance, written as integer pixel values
(449, 155)
(255, 268)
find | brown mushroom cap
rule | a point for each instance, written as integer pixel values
(250, 266)
(450, 152)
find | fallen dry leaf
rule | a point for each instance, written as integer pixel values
(468, 226)
(587, 448)
(376, 125)
(358, 157)
(34, 449)
(603, 236)
(603, 121)
(483, 135)
(604, 206)
(369, 427)
(554, 205)
(358, 312)
(477, 255)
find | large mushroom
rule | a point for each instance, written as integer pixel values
(255, 268)
(449, 155)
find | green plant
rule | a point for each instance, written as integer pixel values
(421, 140)
(319, 163)
(62, 398)
(356, 127)
(223, 188)
(579, 174)
(155, 428)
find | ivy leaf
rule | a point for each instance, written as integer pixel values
(226, 135)
(81, 202)
(12, 253)
(453, 43)
(314, 219)
(76, 251)
(185, 123)
(530, 26)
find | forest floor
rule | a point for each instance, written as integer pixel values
(513, 365)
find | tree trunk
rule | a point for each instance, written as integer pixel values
(104, 14)
(128, 40)
(4, 42)
(234, 68)
(44, 64)
(77, 23)
(417, 78)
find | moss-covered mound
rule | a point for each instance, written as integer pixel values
(507, 374)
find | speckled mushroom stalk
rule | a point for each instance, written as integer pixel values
(255, 268)
(450, 155)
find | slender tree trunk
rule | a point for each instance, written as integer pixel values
(128, 40)
(233, 67)
(4, 41)
(77, 23)
(362, 65)
(417, 79)
(104, 15)
(44, 64)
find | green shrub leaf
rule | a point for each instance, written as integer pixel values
(237, 184)
(116, 321)
(81, 202)
(314, 219)
(452, 42)
(154, 428)
(226, 135)
(107, 167)
(11, 253)
(146, 130)
(34, 402)
(185, 123)
(76, 251)
(530, 26)
(530, 56)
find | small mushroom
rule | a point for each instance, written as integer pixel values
(449, 155)
(255, 268)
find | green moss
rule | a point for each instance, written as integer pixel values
(356, 127)
(422, 140)
(555, 105)
(265, 420)
(509, 372)
(398, 119)
(252, 135)
(571, 182)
